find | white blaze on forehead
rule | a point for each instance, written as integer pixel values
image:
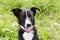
(27, 21)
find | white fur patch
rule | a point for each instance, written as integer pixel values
(27, 21)
(28, 36)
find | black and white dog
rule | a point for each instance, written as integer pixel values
(26, 22)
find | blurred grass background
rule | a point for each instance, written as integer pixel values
(47, 19)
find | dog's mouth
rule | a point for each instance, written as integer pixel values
(27, 29)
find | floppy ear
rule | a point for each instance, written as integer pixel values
(33, 9)
(16, 11)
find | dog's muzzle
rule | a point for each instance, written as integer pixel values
(27, 29)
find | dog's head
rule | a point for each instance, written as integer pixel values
(25, 17)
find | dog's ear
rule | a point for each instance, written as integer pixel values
(33, 9)
(16, 11)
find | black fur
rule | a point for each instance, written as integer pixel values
(21, 16)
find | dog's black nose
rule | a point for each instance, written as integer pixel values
(28, 25)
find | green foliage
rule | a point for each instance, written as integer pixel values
(47, 19)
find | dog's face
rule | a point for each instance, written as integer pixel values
(25, 17)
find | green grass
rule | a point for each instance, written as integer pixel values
(47, 20)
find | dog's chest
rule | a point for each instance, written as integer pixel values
(28, 36)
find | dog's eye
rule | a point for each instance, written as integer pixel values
(29, 15)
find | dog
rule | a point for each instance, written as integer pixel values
(26, 21)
